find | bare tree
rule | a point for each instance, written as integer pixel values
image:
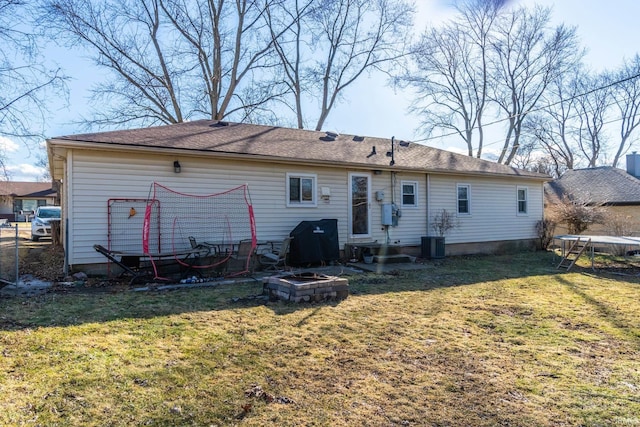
(229, 43)
(451, 74)
(170, 60)
(592, 108)
(528, 57)
(552, 129)
(489, 60)
(25, 81)
(324, 46)
(626, 95)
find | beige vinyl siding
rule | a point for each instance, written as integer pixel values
(493, 208)
(97, 177)
(93, 177)
(412, 223)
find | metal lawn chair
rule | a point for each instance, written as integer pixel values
(243, 258)
(277, 256)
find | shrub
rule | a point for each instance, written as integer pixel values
(578, 215)
(545, 229)
(443, 221)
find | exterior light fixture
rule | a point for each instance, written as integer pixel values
(176, 166)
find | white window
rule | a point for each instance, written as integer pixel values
(522, 200)
(464, 199)
(409, 193)
(301, 190)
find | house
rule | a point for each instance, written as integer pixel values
(615, 189)
(379, 190)
(19, 199)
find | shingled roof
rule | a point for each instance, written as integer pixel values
(601, 185)
(273, 143)
(26, 189)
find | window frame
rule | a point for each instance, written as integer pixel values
(525, 201)
(468, 199)
(413, 184)
(314, 190)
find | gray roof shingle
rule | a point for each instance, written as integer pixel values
(601, 185)
(285, 144)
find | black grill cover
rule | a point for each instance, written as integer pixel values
(314, 242)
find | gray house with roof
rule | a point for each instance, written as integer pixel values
(615, 189)
(295, 175)
(18, 199)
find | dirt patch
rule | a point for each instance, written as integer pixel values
(42, 260)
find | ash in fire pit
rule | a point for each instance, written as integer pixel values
(306, 287)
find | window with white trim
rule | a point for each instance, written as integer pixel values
(301, 190)
(409, 193)
(464, 199)
(522, 200)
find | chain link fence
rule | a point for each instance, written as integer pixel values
(9, 243)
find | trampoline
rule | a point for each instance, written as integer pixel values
(630, 243)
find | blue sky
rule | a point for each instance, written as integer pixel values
(609, 31)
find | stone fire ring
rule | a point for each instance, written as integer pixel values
(306, 287)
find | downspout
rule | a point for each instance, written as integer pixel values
(66, 209)
(428, 201)
(393, 188)
(66, 247)
(394, 181)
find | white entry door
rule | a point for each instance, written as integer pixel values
(359, 204)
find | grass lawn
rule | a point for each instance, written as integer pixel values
(473, 341)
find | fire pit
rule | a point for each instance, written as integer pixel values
(306, 287)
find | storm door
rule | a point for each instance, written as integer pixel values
(359, 209)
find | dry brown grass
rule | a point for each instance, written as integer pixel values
(479, 341)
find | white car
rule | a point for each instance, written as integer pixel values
(41, 222)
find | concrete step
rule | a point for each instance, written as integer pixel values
(393, 259)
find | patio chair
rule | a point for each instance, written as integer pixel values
(277, 256)
(210, 249)
(243, 258)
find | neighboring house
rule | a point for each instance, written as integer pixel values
(18, 200)
(615, 189)
(349, 178)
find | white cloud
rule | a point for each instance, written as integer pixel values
(25, 172)
(7, 145)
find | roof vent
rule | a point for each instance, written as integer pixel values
(329, 136)
(333, 135)
(220, 123)
(358, 138)
(404, 143)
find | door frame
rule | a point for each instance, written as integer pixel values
(350, 203)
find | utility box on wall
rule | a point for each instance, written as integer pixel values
(387, 214)
(390, 214)
(433, 247)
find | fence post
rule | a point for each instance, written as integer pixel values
(17, 257)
